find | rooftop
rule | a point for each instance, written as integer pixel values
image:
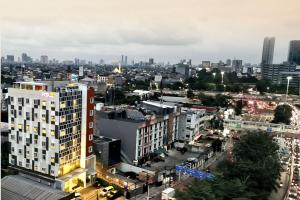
(21, 188)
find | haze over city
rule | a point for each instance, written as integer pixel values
(166, 30)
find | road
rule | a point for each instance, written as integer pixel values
(279, 195)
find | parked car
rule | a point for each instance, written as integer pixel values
(112, 194)
(106, 190)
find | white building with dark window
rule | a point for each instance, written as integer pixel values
(49, 135)
(194, 122)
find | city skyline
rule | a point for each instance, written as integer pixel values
(106, 30)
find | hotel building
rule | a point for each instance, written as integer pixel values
(51, 133)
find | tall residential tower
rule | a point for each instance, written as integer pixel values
(294, 52)
(268, 51)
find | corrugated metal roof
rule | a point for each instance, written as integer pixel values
(18, 187)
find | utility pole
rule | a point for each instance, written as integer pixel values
(148, 193)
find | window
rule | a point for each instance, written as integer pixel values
(62, 132)
(52, 160)
(140, 142)
(35, 154)
(35, 141)
(27, 165)
(52, 132)
(44, 169)
(12, 149)
(44, 103)
(27, 101)
(63, 104)
(12, 112)
(20, 151)
(75, 103)
(27, 115)
(91, 113)
(20, 127)
(20, 112)
(62, 147)
(35, 115)
(91, 125)
(35, 130)
(20, 100)
(44, 132)
(44, 144)
(36, 102)
(90, 137)
(43, 117)
(90, 149)
(11, 99)
(12, 137)
(20, 138)
(12, 126)
(74, 129)
(63, 119)
(20, 164)
(92, 100)
(52, 145)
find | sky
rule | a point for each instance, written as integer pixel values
(167, 30)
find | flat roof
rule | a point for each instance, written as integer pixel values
(21, 188)
(29, 83)
(160, 104)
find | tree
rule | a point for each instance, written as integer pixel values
(252, 174)
(190, 94)
(283, 114)
(218, 188)
(238, 107)
(256, 159)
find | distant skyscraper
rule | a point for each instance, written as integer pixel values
(122, 60)
(125, 62)
(151, 61)
(26, 58)
(76, 61)
(102, 62)
(205, 64)
(10, 58)
(294, 52)
(228, 62)
(44, 59)
(268, 51)
(237, 65)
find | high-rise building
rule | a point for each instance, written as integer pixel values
(294, 52)
(151, 61)
(10, 58)
(76, 61)
(205, 64)
(268, 51)
(44, 59)
(125, 62)
(51, 133)
(122, 60)
(228, 62)
(237, 65)
(26, 58)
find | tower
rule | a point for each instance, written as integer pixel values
(268, 51)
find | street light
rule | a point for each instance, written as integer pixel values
(222, 73)
(287, 87)
(214, 74)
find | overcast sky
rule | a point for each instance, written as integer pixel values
(167, 30)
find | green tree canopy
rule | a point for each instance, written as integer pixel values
(283, 114)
